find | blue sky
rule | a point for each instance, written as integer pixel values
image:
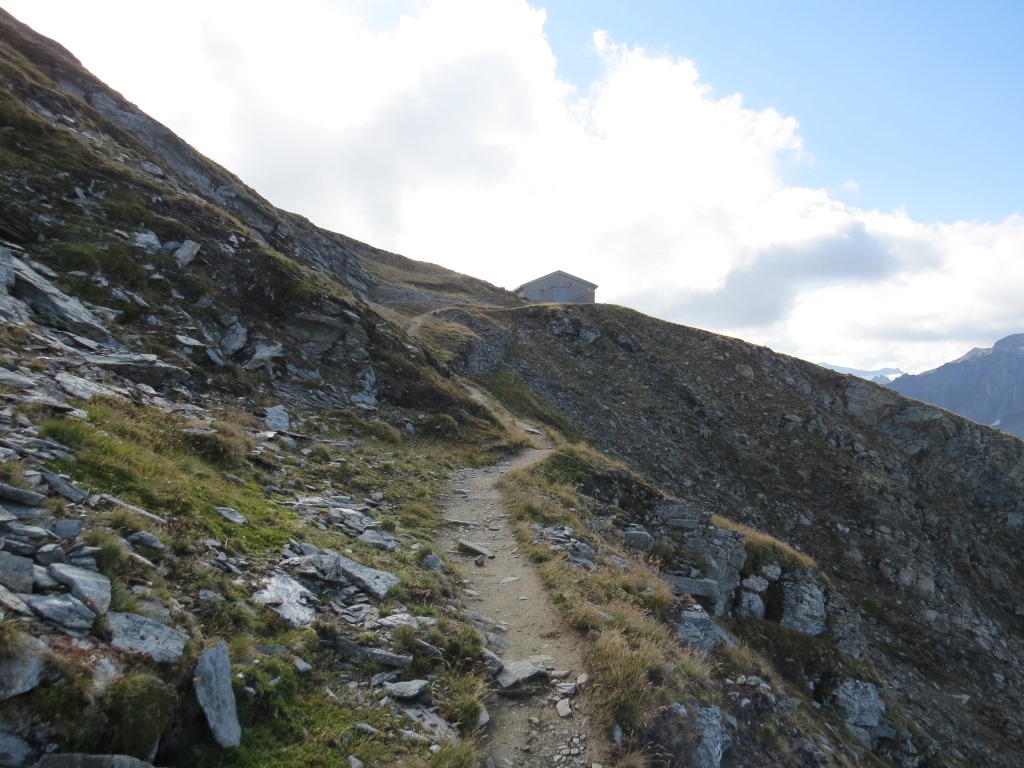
(834, 180)
(919, 103)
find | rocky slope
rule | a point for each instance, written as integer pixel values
(225, 438)
(986, 385)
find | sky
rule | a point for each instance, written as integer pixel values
(836, 181)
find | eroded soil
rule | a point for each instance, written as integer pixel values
(524, 624)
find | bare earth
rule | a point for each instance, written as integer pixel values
(525, 730)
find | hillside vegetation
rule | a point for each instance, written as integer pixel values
(226, 438)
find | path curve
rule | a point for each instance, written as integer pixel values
(523, 624)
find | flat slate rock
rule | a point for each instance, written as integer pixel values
(379, 540)
(475, 549)
(292, 601)
(332, 567)
(20, 495)
(212, 681)
(515, 673)
(16, 572)
(407, 689)
(22, 669)
(67, 612)
(64, 487)
(137, 634)
(90, 587)
(376, 655)
(232, 515)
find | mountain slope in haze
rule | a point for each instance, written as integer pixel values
(986, 385)
(226, 431)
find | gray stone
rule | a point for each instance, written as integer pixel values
(276, 418)
(57, 308)
(20, 495)
(376, 655)
(492, 661)
(141, 368)
(564, 708)
(212, 681)
(709, 750)
(15, 572)
(186, 252)
(22, 668)
(67, 612)
(146, 539)
(147, 241)
(859, 704)
(772, 572)
(16, 380)
(408, 689)
(751, 606)
(263, 355)
(755, 583)
(379, 540)
(432, 724)
(292, 601)
(433, 562)
(329, 566)
(232, 515)
(515, 673)
(638, 538)
(49, 554)
(83, 389)
(683, 585)
(14, 751)
(64, 487)
(90, 587)
(698, 631)
(137, 634)
(803, 606)
(67, 529)
(43, 581)
(475, 549)
(11, 602)
(234, 339)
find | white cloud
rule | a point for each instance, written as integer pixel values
(439, 129)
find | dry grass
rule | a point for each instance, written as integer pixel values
(763, 549)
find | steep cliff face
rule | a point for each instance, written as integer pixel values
(913, 513)
(986, 385)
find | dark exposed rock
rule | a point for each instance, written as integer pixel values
(212, 681)
(21, 669)
(146, 637)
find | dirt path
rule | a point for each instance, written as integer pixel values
(523, 625)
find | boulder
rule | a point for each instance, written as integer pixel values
(292, 601)
(276, 418)
(15, 572)
(803, 603)
(22, 668)
(408, 689)
(515, 673)
(329, 566)
(145, 637)
(46, 300)
(70, 615)
(698, 631)
(212, 682)
(638, 538)
(379, 540)
(90, 587)
(712, 738)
